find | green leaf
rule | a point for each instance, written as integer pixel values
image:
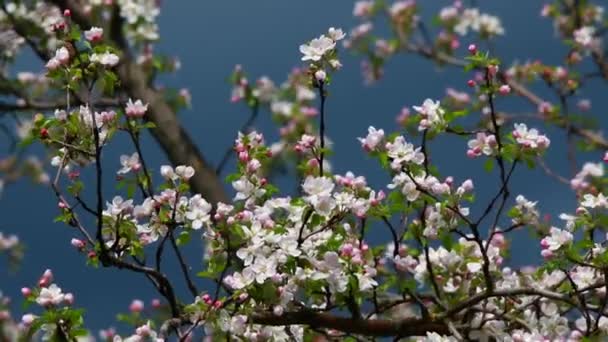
(488, 165)
(183, 238)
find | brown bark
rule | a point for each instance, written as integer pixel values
(371, 327)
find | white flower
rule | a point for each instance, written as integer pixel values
(432, 114)
(317, 48)
(318, 186)
(246, 190)
(402, 152)
(184, 172)
(51, 295)
(435, 337)
(482, 23)
(106, 59)
(167, 172)
(527, 210)
(363, 8)
(283, 108)
(557, 239)
(94, 34)
(129, 163)
(336, 34)
(585, 36)
(61, 114)
(319, 191)
(590, 201)
(373, 139)
(570, 220)
(482, 144)
(408, 187)
(448, 13)
(489, 25)
(136, 109)
(530, 139)
(198, 212)
(118, 207)
(264, 268)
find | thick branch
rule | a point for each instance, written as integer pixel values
(377, 327)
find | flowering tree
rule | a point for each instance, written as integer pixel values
(302, 267)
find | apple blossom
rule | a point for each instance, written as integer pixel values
(129, 163)
(432, 115)
(106, 59)
(317, 48)
(50, 295)
(136, 109)
(584, 36)
(402, 152)
(373, 139)
(94, 34)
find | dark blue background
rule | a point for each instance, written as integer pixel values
(210, 37)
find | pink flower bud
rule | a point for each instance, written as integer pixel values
(67, 13)
(504, 89)
(136, 306)
(347, 249)
(240, 148)
(218, 304)
(26, 291)
(544, 243)
(73, 175)
(46, 279)
(155, 303)
(320, 75)
(78, 243)
(467, 185)
(547, 254)
(471, 83)
(472, 49)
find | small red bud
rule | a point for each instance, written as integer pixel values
(67, 13)
(472, 49)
